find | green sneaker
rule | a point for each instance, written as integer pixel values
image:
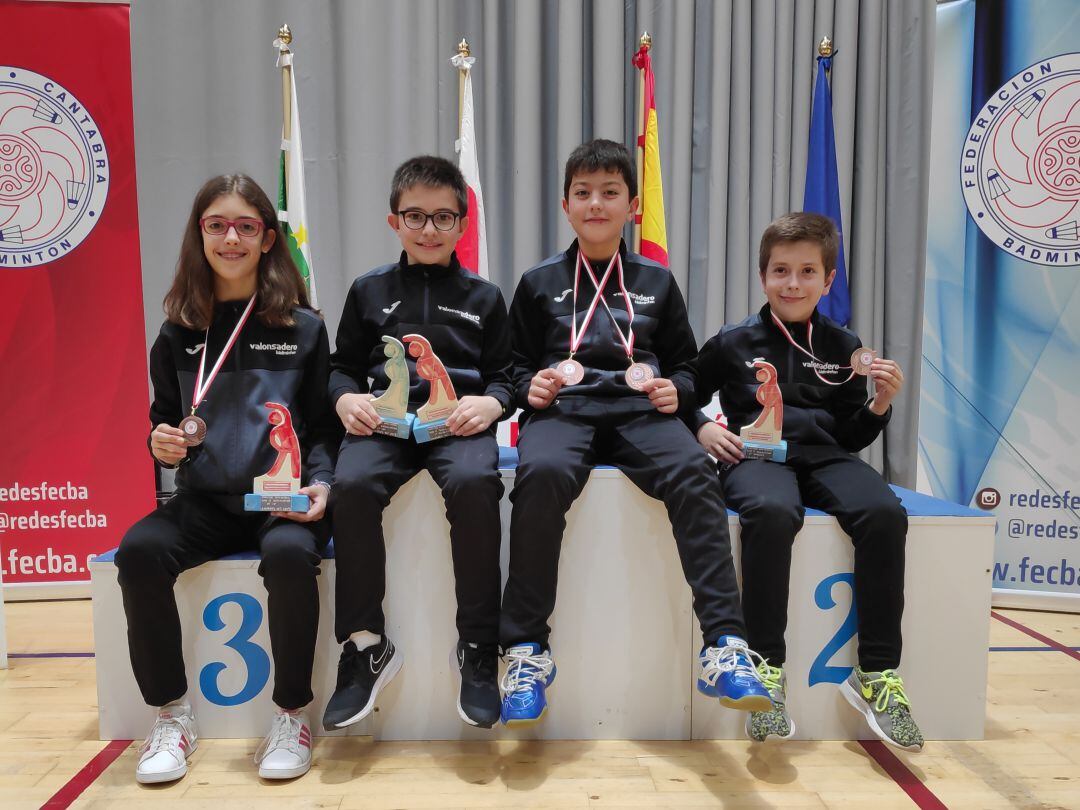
(881, 699)
(777, 722)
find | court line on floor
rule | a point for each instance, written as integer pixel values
(908, 782)
(86, 777)
(1029, 649)
(52, 655)
(1035, 634)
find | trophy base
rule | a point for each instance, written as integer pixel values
(396, 428)
(260, 502)
(765, 451)
(430, 431)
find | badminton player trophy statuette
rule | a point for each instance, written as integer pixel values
(763, 439)
(279, 489)
(430, 422)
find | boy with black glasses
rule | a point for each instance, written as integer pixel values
(463, 318)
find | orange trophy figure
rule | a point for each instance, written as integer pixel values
(431, 417)
(279, 489)
(763, 438)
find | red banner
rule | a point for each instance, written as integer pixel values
(74, 469)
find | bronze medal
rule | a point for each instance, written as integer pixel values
(861, 359)
(571, 370)
(194, 430)
(638, 374)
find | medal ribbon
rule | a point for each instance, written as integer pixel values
(626, 340)
(810, 354)
(200, 387)
(577, 336)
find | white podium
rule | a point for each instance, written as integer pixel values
(624, 637)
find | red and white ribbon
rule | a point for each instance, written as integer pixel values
(616, 261)
(200, 387)
(810, 353)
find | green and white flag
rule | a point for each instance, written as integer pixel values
(292, 197)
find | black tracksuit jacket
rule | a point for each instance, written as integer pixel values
(287, 365)
(814, 413)
(462, 315)
(540, 321)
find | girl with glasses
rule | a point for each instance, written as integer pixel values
(239, 332)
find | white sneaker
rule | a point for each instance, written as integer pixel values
(163, 756)
(286, 751)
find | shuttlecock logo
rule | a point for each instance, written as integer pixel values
(54, 169)
(1020, 168)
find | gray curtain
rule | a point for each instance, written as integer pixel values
(734, 84)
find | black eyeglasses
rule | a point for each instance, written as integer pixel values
(416, 220)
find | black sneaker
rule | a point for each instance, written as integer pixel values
(477, 667)
(361, 674)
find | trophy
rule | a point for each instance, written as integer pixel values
(393, 404)
(762, 439)
(279, 489)
(430, 422)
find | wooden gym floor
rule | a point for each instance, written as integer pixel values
(1030, 758)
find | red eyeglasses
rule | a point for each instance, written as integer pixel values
(219, 226)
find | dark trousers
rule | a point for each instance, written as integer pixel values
(370, 469)
(192, 529)
(770, 499)
(661, 457)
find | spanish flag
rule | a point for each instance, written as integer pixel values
(651, 228)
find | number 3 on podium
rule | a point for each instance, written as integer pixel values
(256, 661)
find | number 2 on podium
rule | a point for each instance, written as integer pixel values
(822, 671)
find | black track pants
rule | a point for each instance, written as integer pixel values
(370, 469)
(192, 529)
(656, 452)
(770, 499)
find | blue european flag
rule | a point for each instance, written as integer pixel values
(822, 192)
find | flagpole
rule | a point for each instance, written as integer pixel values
(645, 42)
(285, 35)
(463, 50)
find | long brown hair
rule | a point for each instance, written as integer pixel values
(279, 287)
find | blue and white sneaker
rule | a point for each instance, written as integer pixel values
(529, 671)
(728, 672)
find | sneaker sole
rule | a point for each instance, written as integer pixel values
(166, 776)
(393, 666)
(285, 773)
(860, 705)
(461, 712)
(768, 737)
(523, 722)
(750, 703)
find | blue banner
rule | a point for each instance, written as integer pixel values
(1000, 389)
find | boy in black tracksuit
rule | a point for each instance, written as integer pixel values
(464, 317)
(599, 418)
(826, 418)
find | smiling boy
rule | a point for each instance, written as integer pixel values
(598, 333)
(463, 316)
(826, 418)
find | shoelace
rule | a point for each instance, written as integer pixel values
(523, 669)
(730, 659)
(770, 676)
(164, 736)
(485, 662)
(347, 667)
(893, 689)
(284, 733)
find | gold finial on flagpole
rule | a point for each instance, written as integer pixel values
(825, 47)
(285, 34)
(463, 48)
(646, 40)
